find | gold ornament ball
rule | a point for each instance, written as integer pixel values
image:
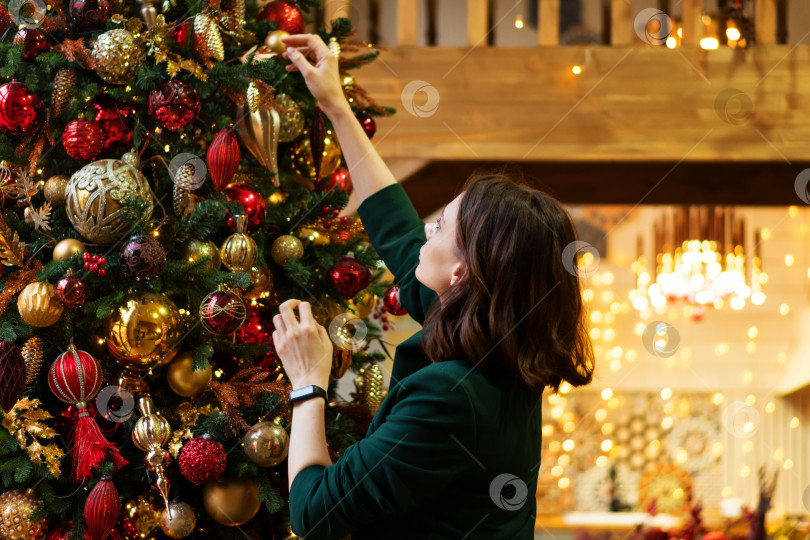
(37, 305)
(183, 379)
(96, 195)
(261, 283)
(239, 252)
(364, 303)
(232, 503)
(179, 521)
(303, 162)
(65, 249)
(118, 56)
(151, 432)
(55, 189)
(142, 332)
(16, 507)
(197, 250)
(292, 121)
(266, 444)
(276, 198)
(274, 43)
(286, 247)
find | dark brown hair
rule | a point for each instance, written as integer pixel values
(516, 307)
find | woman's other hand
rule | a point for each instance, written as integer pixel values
(303, 346)
(322, 78)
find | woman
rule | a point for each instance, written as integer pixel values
(454, 449)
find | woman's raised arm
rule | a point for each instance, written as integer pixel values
(368, 171)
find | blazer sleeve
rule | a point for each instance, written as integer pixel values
(397, 233)
(424, 444)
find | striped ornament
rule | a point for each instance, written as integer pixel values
(102, 508)
(75, 376)
(223, 158)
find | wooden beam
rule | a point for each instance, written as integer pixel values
(407, 22)
(625, 183)
(336, 8)
(621, 22)
(765, 21)
(549, 25)
(476, 22)
(692, 22)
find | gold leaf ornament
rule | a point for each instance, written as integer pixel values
(25, 421)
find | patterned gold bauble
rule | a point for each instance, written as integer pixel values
(363, 303)
(118, 56)
(96, 195)
(292, 121)
(38, 306)
(179, 521)
(183, 379)
(239, 251)
(56, 189)
(65, 249)
(302, 160)
(151, 431)
(197, 250)
(273, 41)
(33, 353)
(16, 507)
(232, 503)
(286, 247)
(142, 332)
(266, 444)
(261, 283)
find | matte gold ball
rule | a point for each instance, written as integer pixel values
(55, 188)
(303, 162)
(197, 250)
(274, 43)
(183, 379)
(239, 252)
(266, 444)
(65, 249)
(232, 503)
(286, 247)
(38, 306)
(179, 521)
(16, 507)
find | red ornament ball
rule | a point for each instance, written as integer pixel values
(392, 303)
(64, 532)
(368, 123)
(34, 40)
(174, 104)
(252, 202)
(75, 376)
(83, 139)
(286, 14)
(339, 179)
(141, 257)
(223, 158)
(258, 329)
(115, 118)
(222, 312)
(203, 460)
(180, 34)
(90, 14)
(71, 291)
(20, 110)
(348, 276)
(12, 374)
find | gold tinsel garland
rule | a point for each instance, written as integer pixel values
(24, 420)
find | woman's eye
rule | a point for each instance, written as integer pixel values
(438, 225)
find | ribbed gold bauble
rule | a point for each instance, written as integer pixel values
(291, 120)
(55, 189)
(266, 444)
(16, 507)
(118, 56)
(197, 250)
(38, 306)
(182, 378)
(239, 252)
(286, 247)
(65, 249)
(303, 162)
(233, 502)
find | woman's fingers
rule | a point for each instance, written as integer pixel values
(308, 44)
(300, 61)
(287, 315)
(305, 311)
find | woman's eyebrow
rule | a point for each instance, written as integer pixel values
(441, 216)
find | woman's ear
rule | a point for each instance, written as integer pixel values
(456, 274)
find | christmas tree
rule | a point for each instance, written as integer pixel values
(166, 183)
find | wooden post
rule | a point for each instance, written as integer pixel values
(765, 21)
(336, 8)
(692, 22)
(621, 22)
(548, 28)
(476, 22)
(407, 22)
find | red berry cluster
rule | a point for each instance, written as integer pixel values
(380, 314)
(328, 224)
(94, 263)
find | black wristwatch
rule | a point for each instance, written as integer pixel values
(306, 392)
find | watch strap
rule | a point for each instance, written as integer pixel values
(306, 392)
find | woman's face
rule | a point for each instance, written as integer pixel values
(439, 260)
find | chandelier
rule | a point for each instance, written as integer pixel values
(700, 260)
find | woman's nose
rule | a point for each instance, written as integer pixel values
(428, 229)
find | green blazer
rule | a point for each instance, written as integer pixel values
(451, 453)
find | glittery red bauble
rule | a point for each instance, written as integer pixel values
(83, 139)
(223, 158)
(34, 40)
(115, 118)
(90, 14)
(339, 179)
(368, 123)
(252, 202)
(142, 257)
(392, 303)
(348, 276)
(203, 460)
(258, 329)
(63, 533)
(20, 110)
(102, 508)
(287, 16)
(222, 312)
(71, 291)
(180, 34)
(12, 374)
(174, 104)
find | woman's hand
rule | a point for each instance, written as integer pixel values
(323, 79)
(304, 347)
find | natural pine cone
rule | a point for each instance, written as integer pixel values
(60, 97)
(33, 352)
(186, 177)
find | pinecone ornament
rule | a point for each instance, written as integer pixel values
(234, 20)
(64, 80)
(186, 178)
(33, 352)
(370, 387)
(207, 39)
